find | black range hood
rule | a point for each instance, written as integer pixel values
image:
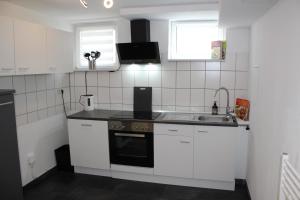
(141, 50)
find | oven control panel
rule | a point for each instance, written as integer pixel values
(130, 126)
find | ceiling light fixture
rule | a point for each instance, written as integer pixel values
(84, 3)
(108, 3)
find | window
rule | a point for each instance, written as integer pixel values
(192, 39)
(101, 39)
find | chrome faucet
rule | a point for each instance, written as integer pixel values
(226, 90)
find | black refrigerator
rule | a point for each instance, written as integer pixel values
(10, 174)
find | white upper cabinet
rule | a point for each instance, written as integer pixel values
(214, 153)
(7, 59)
(30, 48)
(59, 51)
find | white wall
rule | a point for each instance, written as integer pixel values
(41, 139)
(177, 86)
(15, 11)
(275, 96)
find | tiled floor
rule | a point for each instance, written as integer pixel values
(65, 186)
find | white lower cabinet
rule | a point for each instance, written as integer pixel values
(173, 150)
(199, 152)
(89, 143)
(214, 153)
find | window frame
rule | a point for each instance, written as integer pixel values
(80, 28)
(172, 42)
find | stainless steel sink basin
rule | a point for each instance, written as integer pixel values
(199, 118)
(214, 118)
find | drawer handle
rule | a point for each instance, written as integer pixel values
(23, 68)
(7, 68)
(185, 142)
(86, 125)
(202, 131)
(173, 130)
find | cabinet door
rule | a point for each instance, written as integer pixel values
(89, 143)
(59, 51)
(173, 156)
(214, 156)
(7, 59)
(30, 47)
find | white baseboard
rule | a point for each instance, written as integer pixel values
(148, 177)
(90, 171)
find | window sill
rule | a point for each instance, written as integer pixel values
(196, 60)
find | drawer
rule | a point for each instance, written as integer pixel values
(173, 129)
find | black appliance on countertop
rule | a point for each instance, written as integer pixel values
(131, 133)
(10, 174)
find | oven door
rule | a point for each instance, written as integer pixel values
(131, 148)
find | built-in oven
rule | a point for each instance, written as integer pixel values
(131, 143)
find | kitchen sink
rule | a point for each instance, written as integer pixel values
(204, 119)
(214, 118)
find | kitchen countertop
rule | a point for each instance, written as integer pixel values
(105, 115)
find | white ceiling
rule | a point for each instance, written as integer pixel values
(73, 11)
(236, 13)
(232, 12)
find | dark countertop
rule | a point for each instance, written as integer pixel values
(4, 91)
(105, 115)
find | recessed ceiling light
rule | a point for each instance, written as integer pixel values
(108, 3)
(84, 3)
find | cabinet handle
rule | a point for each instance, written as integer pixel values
(86, 125)
(7, 68)
(202, 131)
(185, 142)
(23, 68)
(173, 130)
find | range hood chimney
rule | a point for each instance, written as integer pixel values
(141, 50)
(140, 30)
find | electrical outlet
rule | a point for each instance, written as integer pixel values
(31, 159)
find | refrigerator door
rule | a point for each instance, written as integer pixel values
(10, 181)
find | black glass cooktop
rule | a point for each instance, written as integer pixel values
(136, 115)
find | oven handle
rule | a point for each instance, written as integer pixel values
(129, 135)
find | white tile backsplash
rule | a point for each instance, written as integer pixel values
(155, 79)
(30, 82)
(41, 82)
(19, 84)
(182, 86)
(168, 97)
(116, 95)
(168, 79)
(242, 80)
(183, 97)
(141, 78)
(92, 79)
(103, 79)
(212, 79)
(183, 79)
(228, 79)
(6, 83)
(37, 96)
(198, 79)
(115, 79)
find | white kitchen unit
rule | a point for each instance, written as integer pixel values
(7, 59)
(173, 150)
(214, 153)
(59, 51)
(241, 152)
(30, 47)
(89, 144)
